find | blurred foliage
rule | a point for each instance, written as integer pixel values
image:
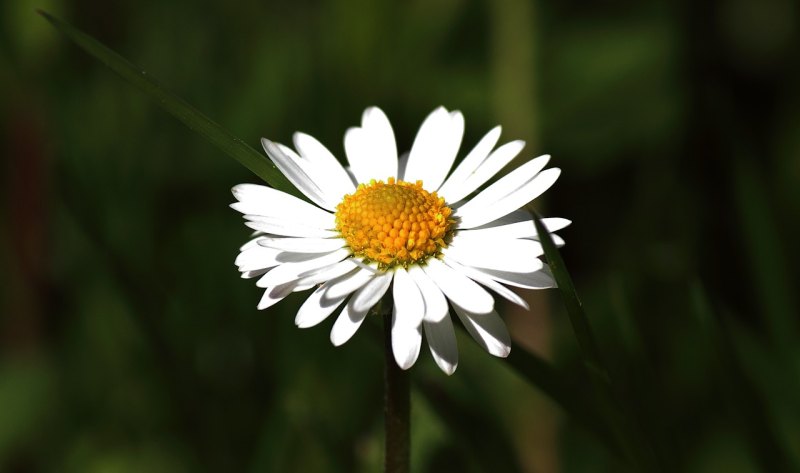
(128, 343)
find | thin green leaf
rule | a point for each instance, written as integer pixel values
(191, 117)
(577, 317)
(611, 399)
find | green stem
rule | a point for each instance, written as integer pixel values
(397, 407)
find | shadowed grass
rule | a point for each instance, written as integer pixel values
(764, 249)
(743, 400)
(611, 399)
(470, 426)
(177, 107)
(531, 368)
(538, 372)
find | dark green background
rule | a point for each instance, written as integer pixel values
(128, 343)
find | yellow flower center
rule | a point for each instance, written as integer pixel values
(396, 223)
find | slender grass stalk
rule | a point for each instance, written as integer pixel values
(577, 317)
(611, 398)
(397, 407)
(177, 107)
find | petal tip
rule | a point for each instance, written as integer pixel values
(337, 340)
(369, 113)
(503, 352)
(406, 364)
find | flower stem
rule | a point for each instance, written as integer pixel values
(397, 407)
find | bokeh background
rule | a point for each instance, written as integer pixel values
(128, 343)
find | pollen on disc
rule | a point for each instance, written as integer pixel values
(395, 223)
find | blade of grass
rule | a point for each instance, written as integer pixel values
(177, 107)
(577, 317)
(611, 398)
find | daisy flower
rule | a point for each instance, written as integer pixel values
(401, 225)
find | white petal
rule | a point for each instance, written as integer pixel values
(253, 274)
(347, 324)
(267, 202)
(298, 256)
(503, 254)
(316, 309)
(253, 242)
(319, 305)
(508, 183)
(555, 224)
(357, 148)
(519, 225)
(326, 273)
(432, 296)
(273, 295)
(308, 245)
(256, 258)
(293, 271)
(475, 216)
(494, 163)
(458, 288)
(468, 165)
(294, 171)
(280, 226)
(371, 149)
(559, 242)
(491, 166)
(477, 275)
(524, 229)
(332, 188)
(348, 283)
(324, 162)
(357, 308)
(384, 150)
(536, 280)
(408, 300)
(371, 293)
(406, 340)
(442, 343)
(435, 148)
(488, 330)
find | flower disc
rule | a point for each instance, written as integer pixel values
(396, 223)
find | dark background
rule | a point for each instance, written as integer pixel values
(128, 343)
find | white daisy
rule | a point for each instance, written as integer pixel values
(400, 223)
